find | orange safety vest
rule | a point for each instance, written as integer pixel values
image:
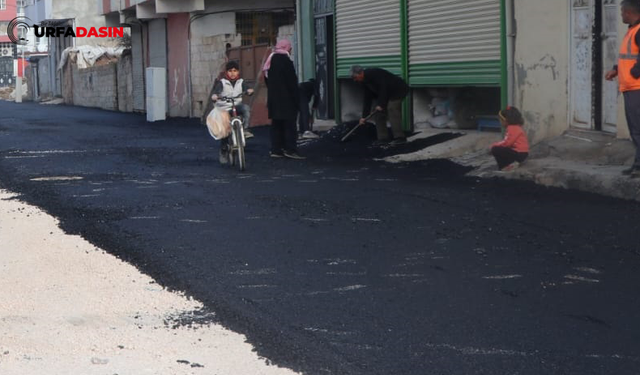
(629, 52)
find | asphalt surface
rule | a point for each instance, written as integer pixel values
(341, 264)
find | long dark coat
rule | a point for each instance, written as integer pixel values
(283, 101)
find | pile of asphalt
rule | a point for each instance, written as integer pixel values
(361, 143)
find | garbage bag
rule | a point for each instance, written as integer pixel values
(219, 123)
(440, 122)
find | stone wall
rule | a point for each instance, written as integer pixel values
(96, 87)
(107, 85)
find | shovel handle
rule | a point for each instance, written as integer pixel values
(357, 126)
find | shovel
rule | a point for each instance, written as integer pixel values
(357, 126)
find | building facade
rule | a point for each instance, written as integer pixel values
(8, 11)
(192, 39)
(546, 57)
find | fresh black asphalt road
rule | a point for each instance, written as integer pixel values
(341, 264)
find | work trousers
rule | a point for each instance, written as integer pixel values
(393, 114)
(632, 111)
(304, 115)
(505, 156)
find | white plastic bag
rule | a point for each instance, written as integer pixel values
(219, 123)
(439, 122)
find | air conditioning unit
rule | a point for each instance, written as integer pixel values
(6, 52)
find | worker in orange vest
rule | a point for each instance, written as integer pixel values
(628, 73)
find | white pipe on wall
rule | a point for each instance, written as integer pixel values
(511, 46)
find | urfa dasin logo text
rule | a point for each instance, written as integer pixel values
(19, 27)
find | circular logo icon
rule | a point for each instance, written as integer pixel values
(18, 30)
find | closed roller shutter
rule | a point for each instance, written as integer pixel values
(368, 34)
(454, 42)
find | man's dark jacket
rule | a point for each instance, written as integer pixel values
(384, 86)
(283, 101)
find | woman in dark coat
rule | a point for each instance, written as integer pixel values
(283, 101)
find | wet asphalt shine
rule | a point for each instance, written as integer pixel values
(341, 264)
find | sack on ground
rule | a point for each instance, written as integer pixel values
(218, 123)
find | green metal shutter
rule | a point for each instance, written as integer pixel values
(368, 34)
(454, 42)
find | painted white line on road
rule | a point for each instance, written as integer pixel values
(86, 196)
(263, 271)
(331, 332)
(48, 152)
(350, 288)
(194, 221)
(58, 178)
(479, 351)
(366, 220)
(614, 356)
(588, 270)
(580, 278)
(25, 157)
(261, 286)
(338, 261)
(314, 220)
(404, 275)
(144, 217)
(502, 277)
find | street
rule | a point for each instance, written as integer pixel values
(341, 264)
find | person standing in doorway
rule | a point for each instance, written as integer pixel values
(283, 102)
(308, 92)
(628, 73)
(389, 91)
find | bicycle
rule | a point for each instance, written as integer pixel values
(237, 141)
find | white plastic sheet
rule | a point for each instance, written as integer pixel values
(88, 55)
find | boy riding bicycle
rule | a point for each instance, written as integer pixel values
(232, 86)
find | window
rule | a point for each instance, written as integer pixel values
(3, 4)
(262, 27)
(4, 28)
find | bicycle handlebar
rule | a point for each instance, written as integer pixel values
(227, 98)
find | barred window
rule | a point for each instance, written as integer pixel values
(3, 5)
(262, 27)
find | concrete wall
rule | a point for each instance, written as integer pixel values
(85, 13)
(209, 37)
(178, 64)
(542, 66)
(244, 5)
(124, 83)
(96, 87)
(39, 11)
(44, 79)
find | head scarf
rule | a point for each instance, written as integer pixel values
(283, 47)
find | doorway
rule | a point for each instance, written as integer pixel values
(324, 41)
(594, 101)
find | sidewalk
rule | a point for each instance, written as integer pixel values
(578, 160)
(70, 308)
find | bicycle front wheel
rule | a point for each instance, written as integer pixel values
(239, 154)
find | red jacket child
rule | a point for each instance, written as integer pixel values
(514, 148)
